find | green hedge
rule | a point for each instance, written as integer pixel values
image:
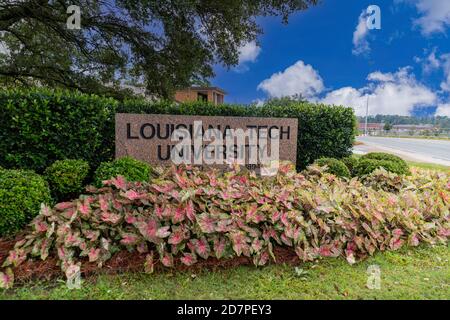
(40, 126)
(66, 178)
(21, 195)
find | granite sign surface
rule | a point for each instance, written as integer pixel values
(150, 137)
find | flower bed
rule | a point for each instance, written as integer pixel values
(187, 215)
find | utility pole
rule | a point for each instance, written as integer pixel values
(367, 114)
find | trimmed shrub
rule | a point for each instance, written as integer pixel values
(195, 214)
(351, 163)
(367, 166)
(21, 195)
(131, 169)
(389, 157)
(66, 178)
(39, 126)
(334, 166)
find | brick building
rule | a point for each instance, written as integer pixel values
(214, 95)
(411, 129)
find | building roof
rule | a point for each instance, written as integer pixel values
(413, 126)
(371, 125)
(207, 89)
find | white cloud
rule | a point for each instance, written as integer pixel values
(394, 36)
(296, 79)
(431, 62)
(443, 110)
(349, 97)
(445, 85)
(249, 52)
(434, 62)
(389, 93)
(434, 15)
(360, 43)
(379, 76)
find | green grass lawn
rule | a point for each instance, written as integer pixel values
(420, 273)
(430, 166)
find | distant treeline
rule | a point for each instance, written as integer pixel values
(441, 121)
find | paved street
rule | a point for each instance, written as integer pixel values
(433, 151)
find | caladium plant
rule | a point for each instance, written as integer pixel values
(6, 279)
(187, 213)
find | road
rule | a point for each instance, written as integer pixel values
(421, 150)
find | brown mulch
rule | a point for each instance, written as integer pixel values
(125, 261)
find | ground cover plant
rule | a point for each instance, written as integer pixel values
(187, 215)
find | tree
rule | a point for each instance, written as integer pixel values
(285, 101)
(162, 44)
(387, 126)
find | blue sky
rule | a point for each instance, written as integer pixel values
(328, 54)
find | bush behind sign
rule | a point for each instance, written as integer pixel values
(39, 126)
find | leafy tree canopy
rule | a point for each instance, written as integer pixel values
(284, 101)
(440, 121)
(161, 44)
(387, 126)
